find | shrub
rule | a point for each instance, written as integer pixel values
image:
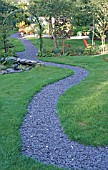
(91, 51)
(69, 52)
(79, 51)
(46, 53)
(9, 53)
(85, 30)
(76, 30)
(56, 51)
(81, 30)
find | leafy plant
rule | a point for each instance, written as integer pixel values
(76, 30)
(56, 51)
(46, 53)
(91, 51)
(21, 24)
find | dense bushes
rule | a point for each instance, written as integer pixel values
(70, 52)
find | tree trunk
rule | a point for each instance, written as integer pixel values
(40, 35)
(50, 27)
(93, 33)
(63, 50)
(54, 35)
(103, 43)
(4, 38)
(55, 41)
(41, 41)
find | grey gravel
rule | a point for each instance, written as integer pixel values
(30, 52)
(41, 133)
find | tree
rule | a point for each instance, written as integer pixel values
(52, 9)
(81, 13)
(5, 10)
(99, 10)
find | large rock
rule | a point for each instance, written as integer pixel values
(15, 66)
(19, 65)
(11, 58)
(22, 61)
(10, 70)
(3, 72)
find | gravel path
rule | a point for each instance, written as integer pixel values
(41, 133)
(30, 52)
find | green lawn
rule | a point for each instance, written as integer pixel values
(83, 109)
(16, 91)
(17, 44)
(49, 44)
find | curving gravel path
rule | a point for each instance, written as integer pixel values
(30, 50)
(41, 133)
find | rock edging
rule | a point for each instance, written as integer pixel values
(19, 65)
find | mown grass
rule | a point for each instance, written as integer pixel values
(16, 91)
(48, 44)
(83, 109)
(18, 46)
